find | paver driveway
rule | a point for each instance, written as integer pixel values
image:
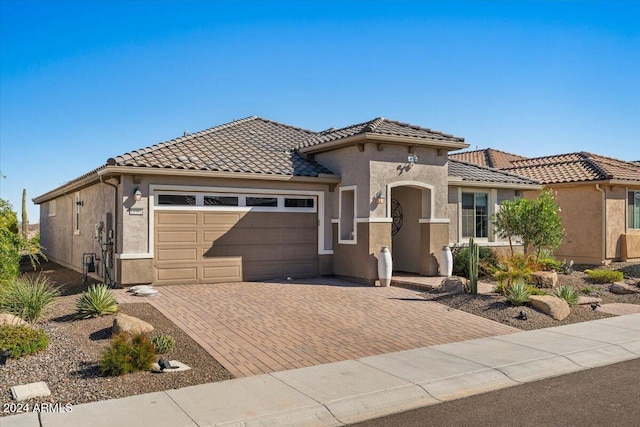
(255, 327)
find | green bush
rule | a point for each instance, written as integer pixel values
(535, 291)
(163, 343)
(604, 276)
(22, 340)
(127, 354)
(567, 293)
(591, 290)
(487, 260)
(28, 298)
(550, 264)
(517, 294)
(96, 301)
(514, 268)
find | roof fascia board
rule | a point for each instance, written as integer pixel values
(484, 184)
(384, 139)
(69, 187)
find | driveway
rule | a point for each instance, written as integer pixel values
(256, 327)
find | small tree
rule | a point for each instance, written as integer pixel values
(537, 221)
(25, 219)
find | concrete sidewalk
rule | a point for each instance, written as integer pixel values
(356, 390)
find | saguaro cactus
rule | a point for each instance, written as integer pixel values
(25, 220)
(473, 266)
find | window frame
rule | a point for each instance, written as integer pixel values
(242, 201)
(342, 210)
(475, 192)
(633, 223)
(77, 203)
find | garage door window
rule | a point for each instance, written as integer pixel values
(298, 203)
(177, 199)
(262, 201)
(220, 200)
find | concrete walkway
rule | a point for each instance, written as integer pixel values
(255, 328)
(356, 390)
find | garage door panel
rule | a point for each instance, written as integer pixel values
(186, 254)
(177, 218)
(190, 236)
(230, 246)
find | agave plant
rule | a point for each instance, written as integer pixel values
(567, 293)
(96, 301)
(517, 294)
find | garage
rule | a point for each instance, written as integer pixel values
(222, 238)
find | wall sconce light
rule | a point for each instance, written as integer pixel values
(380, 198)
(412, 159)
(137, 194)
(79, 203)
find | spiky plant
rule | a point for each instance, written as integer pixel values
(567, 293)
(96, 301)
(473, 266)
(28, 298)
(517, 294)
(163, 343)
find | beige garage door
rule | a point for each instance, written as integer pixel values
(207, 247)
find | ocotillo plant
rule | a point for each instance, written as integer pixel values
(25, 221)
(473, 266)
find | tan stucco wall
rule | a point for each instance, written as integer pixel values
(433, 238)
(135, 271)
(61, 243)
(616, 220)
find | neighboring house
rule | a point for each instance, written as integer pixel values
(599, 197)
(255, 199)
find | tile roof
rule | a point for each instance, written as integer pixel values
(249, 145)
(380, 126)
(488, 157)
(478, 173)
(576, 167)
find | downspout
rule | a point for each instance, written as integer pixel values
(115, 227)
(604, 224)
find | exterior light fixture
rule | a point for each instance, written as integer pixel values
(412, 159)
(137, 194)
(380, 198)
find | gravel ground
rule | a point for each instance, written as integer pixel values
(496, 307)
(69, 364)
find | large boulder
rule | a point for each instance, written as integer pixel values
(10, 319)
(622, 288)
(553, 306)
(129, 324)
(452, 285)
(544, 279)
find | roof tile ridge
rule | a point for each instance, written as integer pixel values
(501, 171)
(588, 157)
(619, 162)
(310, 132)
(416, 127)
(372, 125)
(552, 156)
(114, 160)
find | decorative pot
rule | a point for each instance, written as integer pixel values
(446, 262)
(385, 266)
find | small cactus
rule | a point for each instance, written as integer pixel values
(163, 343)
(473, 266)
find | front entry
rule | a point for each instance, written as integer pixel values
(406, 211)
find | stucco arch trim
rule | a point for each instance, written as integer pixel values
(422, 186)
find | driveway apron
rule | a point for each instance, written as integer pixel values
(253, 328)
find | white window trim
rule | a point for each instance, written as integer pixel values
(52, 208)
(353, 241)
(626, 225)
(76, 214)
(200, 192)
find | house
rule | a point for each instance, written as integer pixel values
(599, 197)
(256, 199)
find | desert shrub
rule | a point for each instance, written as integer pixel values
(487, 261)
(517, 294)
(22, 340)
(535, 291)
(550, 264)
(28, 298)
(96, 301)
(127, 354)
(514, 268)
(591, 290)
(604, 276)
(567, 293)
(163, 343)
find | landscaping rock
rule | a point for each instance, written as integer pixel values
(582, 300)
(544, 279)
(130, 324)
(29, 391)
(452, 285)
(621, 288)
(553, 306)
(10, 319)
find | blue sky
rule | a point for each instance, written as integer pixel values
(84, 81)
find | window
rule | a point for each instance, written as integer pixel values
(475, 215)
(177, 199)
(52, 208)
(298, 203)
(633, 210)
(262, 201)
(220, 200)
(346, 224)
